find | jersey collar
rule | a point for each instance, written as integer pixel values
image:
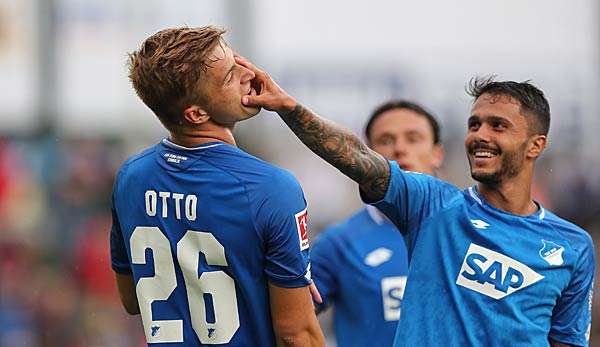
(540, 213)
(170, 144)
(377, 216)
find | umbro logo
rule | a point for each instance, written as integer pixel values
(479, 224)
(493, 274)
(378, 256)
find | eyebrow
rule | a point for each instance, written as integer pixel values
(414, 132)
(490, 119)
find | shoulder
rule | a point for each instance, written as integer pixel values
(423, 181)
(253, 171)
(271, 180)
(136, 162)
(350, 227)
(579, 239)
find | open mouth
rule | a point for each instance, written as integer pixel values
(482, 151)
(256, 86)
(252, 92)
(483, 154)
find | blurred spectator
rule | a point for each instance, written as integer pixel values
(56, 286)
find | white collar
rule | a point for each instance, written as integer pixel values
(171, 144)
(377, 216)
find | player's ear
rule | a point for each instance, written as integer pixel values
(537, 145)
(438, 155)
(194, 114)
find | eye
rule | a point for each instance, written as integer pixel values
(473, 124)
(498, 125)
(413, 138)
(385, 140)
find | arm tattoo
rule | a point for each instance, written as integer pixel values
(342, 149)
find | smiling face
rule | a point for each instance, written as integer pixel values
(406, 137)
(225, 85)
(498, 142)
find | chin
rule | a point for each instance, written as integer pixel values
(488, 178)
(250, 112)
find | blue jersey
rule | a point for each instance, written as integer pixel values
(360, 267)
(203, 230)
(480, 276)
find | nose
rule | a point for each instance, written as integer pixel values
(482, 134)
(399, 148)
(247, 74)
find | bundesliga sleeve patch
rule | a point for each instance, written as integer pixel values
(301, 225)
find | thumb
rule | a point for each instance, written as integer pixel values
(314, 292)
(253, 100)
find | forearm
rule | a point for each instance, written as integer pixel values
(126, 287)
(342, 149)
(308, 338)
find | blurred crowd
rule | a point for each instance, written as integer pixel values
(56, 284)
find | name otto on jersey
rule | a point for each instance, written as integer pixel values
(171, 204)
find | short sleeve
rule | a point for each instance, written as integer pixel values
(325, 268)
(412, 197)
(282, 220)
(572, 315)
(118, 252)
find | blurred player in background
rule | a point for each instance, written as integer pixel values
(360, 264)
(489, 266)
(209, 243)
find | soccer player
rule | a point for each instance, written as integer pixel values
(208, 243)
(489, 266)
(360, 264)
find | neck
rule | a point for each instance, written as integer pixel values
(513, 196)
(195, 137)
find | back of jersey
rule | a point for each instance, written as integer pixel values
(203, 230)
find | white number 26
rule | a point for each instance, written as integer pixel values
(159, 287)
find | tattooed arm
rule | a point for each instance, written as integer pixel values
(342, 149)
(337, 145)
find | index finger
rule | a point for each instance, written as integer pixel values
(246, 63)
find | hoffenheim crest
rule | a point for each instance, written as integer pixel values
(552, 253)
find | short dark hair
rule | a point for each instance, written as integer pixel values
(404, 104)
(532, 100)
(167, 69)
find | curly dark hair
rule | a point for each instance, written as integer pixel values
(404, 104)
(532, 100)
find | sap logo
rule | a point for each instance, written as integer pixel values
(392, 290)
(378, 256)
(494, 274)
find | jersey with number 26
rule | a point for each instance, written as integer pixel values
(479, 276)
(203, 230)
